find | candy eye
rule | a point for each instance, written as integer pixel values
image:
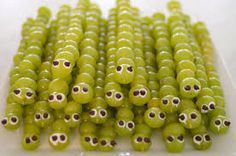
(130, 125)
(180, 138)
(212, 105)
(118, 68)
(60, 97)
(27, 140)
(147, 140)
(121, 123)
(67, 64)
(93, 113)
(109, 94)
(85, 90)
(46, 115)
(67, 117)
(165, 101)
(152, 115)
(162, 115)
(14, 120)
(118, 96)
(193, 116)
(176, 101)
(142, 92)
(113, 143)
(196, 87)
(130, 69)
(51, 98)
(207, 137)
(54, 139)
(227, 123)
(182, 117)
(29, 94)
(55, 63)
(204, 108)
(217, 122)
(136, 93)
(139, 139)
(197, 139)
(63, 138)
(76, 89)
(87, 139)
(170, 139)
(37, 116)
(103, 142)
(17, 91)
(103, 113)
(75, 116)
(187, 88)
(34, 138)
(4, 121)
(94, 141)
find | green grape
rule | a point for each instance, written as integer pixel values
(183, 54)
(206, 104)
(24, 95)
(165, 72)
(185, 64)
(57, 100)
(72, 114)
(43, 85)
(82, 93)
(35, 59)
(139, 95)
(169, 103)
(154, 117)
(43, 116)
(25, 82)
(168, 90)
(45, 74)
(190, 118)
(189, 87)
(185, 73)
(58, 85)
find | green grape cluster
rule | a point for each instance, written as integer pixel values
(124, 76)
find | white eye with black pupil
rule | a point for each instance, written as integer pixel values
(54, 139)
(207, 137)
(138, 139)
(197, 139)
(46, 115)
(151, 115)
(103, 113)
(75, 117)
(204, 108)
(63, 138)
(227, 123)
(60, 97)
(85, 90)
(118, 96)
(119, 69)
(121, 123)
(187, 88)
(55, 63)
(193, 116)
(170, 139)
(130, 69)
(130, 125)
(217, 122)
(37, 116)
(94, 141)
(165, 101)
(76, 89)
(109, 94)
(143, 92)
(17, 91)
(103, 142)
(183, 118)
(67, 64)
(14, 120)
(212, 105)
(93, 113)
(176, 101)
(196, 87)
(29, 94)
(180, 138)
(4, 121)
(162, 115)
(51, 98)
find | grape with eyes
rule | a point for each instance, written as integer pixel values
(61, 68)
(125, 71)
(24, 95)
(25, 82)
(13, 116)
(206, 104)
(58, 85)
(169, 103)
(98, 112)
(59, 135)
(189, 87)
(72, 114)
(82, 93)
(173, 136)
(114, 98)
(154, 117)
(57, 100)
(190, 118)
(43, 114)
(139, 95)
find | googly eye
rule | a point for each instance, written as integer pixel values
(187, 88)
(14, 120)
(93, 113)
(113, 143)
(196, 87)
(34, 138)
(109, 94)
(94, 141)
(63, 138)
(76, 89)
(138, 139)
(121, 123)
(217, 122)
(130, 69)
(37, 116)
(204, 108)
(176, 101)
(165, 101)
(46, 115)
(118, 96)
(212, 106)
(170, 139)
(227, 123)
(197, 139)
(152, 115)
(4, 121)
(75, 117)
(136, 93)
(103, 113)
(130, 125)
(27, 140)
(162, 115)
(17, 91)
(67, 64)
(85, 90)
(54, 139)
(60, 97)
(193, 116)
(67, 118)
(207, 137)
(103, 142)
(147, 140)
(180, 138)
(29, 94)
(55, 63)
(143, 92)
(51, 98)
(182, 117)
(119, 69)
(87, 139)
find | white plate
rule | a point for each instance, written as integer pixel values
(222, 145)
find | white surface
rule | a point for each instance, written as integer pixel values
(220, 18)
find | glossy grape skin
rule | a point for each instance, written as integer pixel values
(25, 82)
(107, 137)
(57, 100)
(124, 130)
(189, 87)
(174, 140)
(82, 93)
(30, 140)
(114, 98)
(154, 117)
(143, 96)
(206, 104)
(72, 113)
(190, 118)
(142, 145)
(169, 103)
(58, 85)
(24, 96)
(168, 90)
(98, 115)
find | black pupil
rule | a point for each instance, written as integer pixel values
(175, 101)
(198, 138)
(207, 137)
(217, 122)
(113, 143)
(95, 140)
(37, 116)
(182, 117)
(103, 113)
(147, 140)
(170, 138)
(109, 93)
(121, 123)
(118, 68)
(85, 89)
(212, 106)
(181, 137)
(139, 139)
(34, 138)
(162, 115)
(193, 116)
(87, 139)
(142, 92)
(103, 142)
(76, 117)
(165, 101)
(54, 138)
(13, 119)
(29, 94)
(227, 123)
(62, 137)
(4, 121)
(196, 87)
(136, 93)
(45, 115)
(130, 69)
(152, 115)
(59, 97)
(16, 91)
(75, 89)
(67, 117)
(51, 97)
(55, 63)
(27, 140)
(67, 64)
(130, 125)
(118, 96)
(204, 107)
(187, 87)
(92, 112)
